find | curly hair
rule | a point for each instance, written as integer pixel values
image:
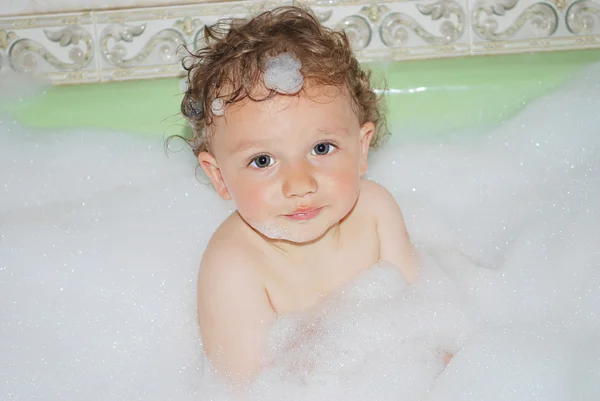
(230, 66)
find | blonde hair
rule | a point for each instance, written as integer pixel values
(236, 49)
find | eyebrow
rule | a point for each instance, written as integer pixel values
(246, 145)
(334, 131)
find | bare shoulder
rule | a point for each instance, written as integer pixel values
(224, 253)
(231, 300)
(394, 241)
(376, 196)
(383, 207)
(229, 262)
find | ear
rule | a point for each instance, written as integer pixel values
(366, 134)
(212, 170)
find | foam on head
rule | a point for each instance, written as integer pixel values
(282, 74)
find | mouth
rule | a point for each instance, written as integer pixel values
(301, 214)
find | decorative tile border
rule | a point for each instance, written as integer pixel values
(513, 26)
(101, 46)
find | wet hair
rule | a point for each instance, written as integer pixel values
(229, 66)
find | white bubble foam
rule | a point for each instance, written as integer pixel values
(276, 232)
(101, 235)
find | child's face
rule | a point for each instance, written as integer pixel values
(291, 164)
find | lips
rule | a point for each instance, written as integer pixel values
(301, 214)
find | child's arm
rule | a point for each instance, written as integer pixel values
(394, 242)
(234, 313)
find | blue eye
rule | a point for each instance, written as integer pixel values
(262, 161)
(323, 148)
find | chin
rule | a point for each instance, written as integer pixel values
(299, 234)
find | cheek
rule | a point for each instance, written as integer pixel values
(250, 196)
(342, 178)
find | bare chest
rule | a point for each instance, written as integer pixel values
(293, 288)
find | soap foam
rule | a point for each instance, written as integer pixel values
(101, 235)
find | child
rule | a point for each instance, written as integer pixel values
(283, 120)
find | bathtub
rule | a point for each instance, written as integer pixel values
(99, 41)
(491, 154)
(458, 92)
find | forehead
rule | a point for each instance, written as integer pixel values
(314, 106)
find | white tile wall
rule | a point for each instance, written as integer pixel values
(59, 46)
(144, 43)
(508, 26)
(32, 7)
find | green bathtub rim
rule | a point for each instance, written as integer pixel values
(459, 93)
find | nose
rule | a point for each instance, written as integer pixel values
(299, 180)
